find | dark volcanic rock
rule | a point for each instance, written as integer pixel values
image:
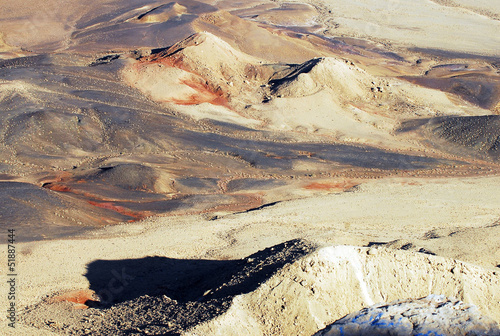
(476, 135)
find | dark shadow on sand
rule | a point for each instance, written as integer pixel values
(180, 279)
(184, 280)
(166, 296)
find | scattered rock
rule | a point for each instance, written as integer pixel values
(432, 315)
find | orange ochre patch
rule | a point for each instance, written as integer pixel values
(81, 298)
(204, 94)
(122, 210)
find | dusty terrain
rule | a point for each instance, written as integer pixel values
(251, 168)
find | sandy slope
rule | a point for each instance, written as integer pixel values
(331, 282)
(377, 212)
(421, 24)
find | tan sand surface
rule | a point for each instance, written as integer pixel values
(420, 24)
(440, 215)
(247, 167)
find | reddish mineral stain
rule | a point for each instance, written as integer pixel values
(122, 210)
(204, 94)
(81, 298)
(57, 187)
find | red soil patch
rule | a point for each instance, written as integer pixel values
(105, 204)
(121, 210)
(205, 94)
(81, 298)
(65, 188)
(173, 62)
(58, 177)
(57, 187)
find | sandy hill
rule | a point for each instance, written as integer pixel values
(342, 76)
(201, 68)
(330, 95)
(163, 13)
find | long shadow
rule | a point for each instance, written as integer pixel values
(185, 280)
(182, 280)
(166, 296)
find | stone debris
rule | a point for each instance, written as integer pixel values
(432, 315)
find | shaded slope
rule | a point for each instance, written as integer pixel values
(476, 82)
(99, 26)
(37, 213)
(477, 136)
